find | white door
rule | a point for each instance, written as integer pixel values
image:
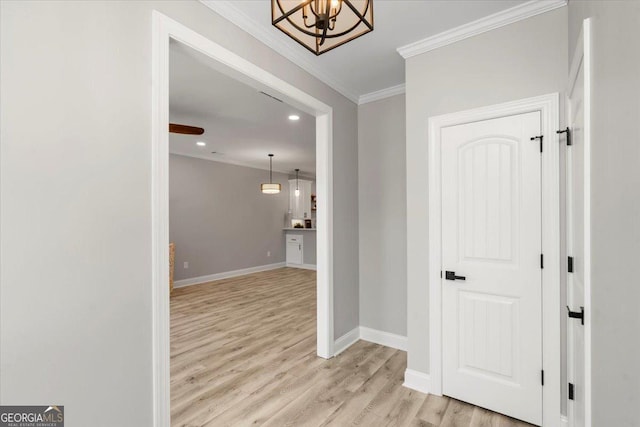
(491, 236)
(578, 159)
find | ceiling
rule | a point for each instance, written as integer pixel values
(371, 62)
(241, 125)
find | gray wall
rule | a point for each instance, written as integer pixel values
(75, 282)
(521, 60)
(383, 215)
(219, 219)
(615, 206)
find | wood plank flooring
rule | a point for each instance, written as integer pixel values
(243, 354)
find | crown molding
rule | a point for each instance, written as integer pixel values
(291, 51)
(488, 23)
(382, 94)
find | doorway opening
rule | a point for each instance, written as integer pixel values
(243, 304)
(165, 32)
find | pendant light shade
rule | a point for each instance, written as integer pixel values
(321, 25)
(297, 192)
(270, 187)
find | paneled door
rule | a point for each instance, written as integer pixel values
(578, 230)
(491, 261)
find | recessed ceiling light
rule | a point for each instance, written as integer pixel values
(294, 117)
(201, 143)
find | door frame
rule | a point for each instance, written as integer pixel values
(549, 108)
(581, 57)
(165, 29)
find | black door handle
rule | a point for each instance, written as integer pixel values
(451, 275)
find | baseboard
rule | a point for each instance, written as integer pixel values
(383, 338)
(386, 339)
(303, 266)
(346, 341)
(417, 381)
(226, 275)
(564, 421)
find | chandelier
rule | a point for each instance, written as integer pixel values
(321, 25)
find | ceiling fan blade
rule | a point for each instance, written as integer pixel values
(184, 129)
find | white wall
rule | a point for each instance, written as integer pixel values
(383, 215)
(75, 280)
(219, 219)
(524, 59)
(615, 207)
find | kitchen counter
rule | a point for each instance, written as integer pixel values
(307, 236)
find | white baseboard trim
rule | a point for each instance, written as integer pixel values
(346, 341)
(303, 266)
(225, 275)
(386, 339)
(383, 338)
(417, 381)
(564, 421)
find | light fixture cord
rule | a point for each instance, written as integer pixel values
(270, 170)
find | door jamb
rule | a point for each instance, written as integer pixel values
(548, 106)
(582, 57)
(163, 30)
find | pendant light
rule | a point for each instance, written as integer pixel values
(297, 192)
(271, 187)
(321, 25)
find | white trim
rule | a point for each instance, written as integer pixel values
(164, 29)
(588, 42)
(303, 266)
(278, 42)
(482, 25)
(386, 339)
(160, 221)
(226, 275)
(582, 58)
(417, 381)
(382, 94)
(346, 341)
(548, 105)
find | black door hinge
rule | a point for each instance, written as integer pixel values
(542, 377)
(533, 138)
(541, 260)
(570, 264)
(571, 391)
(568, 132)
(576, 314)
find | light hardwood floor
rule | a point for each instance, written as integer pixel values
(243, 353)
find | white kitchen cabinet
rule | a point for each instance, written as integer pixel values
(300, 206)
(295, 249)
